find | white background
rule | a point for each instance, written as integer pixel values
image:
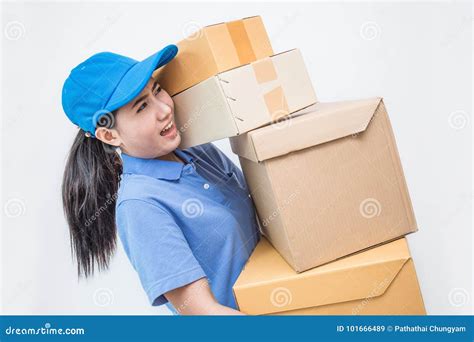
(417, 56)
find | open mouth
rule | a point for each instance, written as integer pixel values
(169, 128)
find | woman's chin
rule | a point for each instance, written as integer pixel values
(177, 140)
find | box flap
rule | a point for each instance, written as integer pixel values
(268, 278)
(267, 89)
(316, 124)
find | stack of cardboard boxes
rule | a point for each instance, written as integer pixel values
(226, 81)
(326, 178)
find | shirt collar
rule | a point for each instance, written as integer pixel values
(157, 168)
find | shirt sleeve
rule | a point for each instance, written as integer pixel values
(157, 249)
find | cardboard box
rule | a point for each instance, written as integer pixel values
(214, 49)
(244, 98)
(378, 281)
(327, 182)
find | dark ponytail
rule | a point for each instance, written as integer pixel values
(89, 193)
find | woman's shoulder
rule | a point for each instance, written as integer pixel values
(136, 187)
(205, 149)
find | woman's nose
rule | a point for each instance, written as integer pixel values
(163, 110)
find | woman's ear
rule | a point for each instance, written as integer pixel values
(108, 136)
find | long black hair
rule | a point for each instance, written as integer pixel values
(89, 192)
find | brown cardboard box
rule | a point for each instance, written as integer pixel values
(214, 49)
(378, 281)
(327, 182)
(244, 98)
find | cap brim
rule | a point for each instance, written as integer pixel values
(135, 80)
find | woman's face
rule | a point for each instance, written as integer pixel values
(145, 126)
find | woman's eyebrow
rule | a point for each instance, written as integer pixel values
(144, 96)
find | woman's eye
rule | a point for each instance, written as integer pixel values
(158, 89)
(143, 106)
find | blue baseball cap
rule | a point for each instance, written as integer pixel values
(105, 82)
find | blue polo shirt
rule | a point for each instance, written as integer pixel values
(182, 222)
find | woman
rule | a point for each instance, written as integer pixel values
(184, 216)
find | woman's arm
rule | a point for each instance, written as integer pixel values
(196, 298)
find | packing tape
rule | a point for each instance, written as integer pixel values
(275, 101)
(264, 70)
(241, 41)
